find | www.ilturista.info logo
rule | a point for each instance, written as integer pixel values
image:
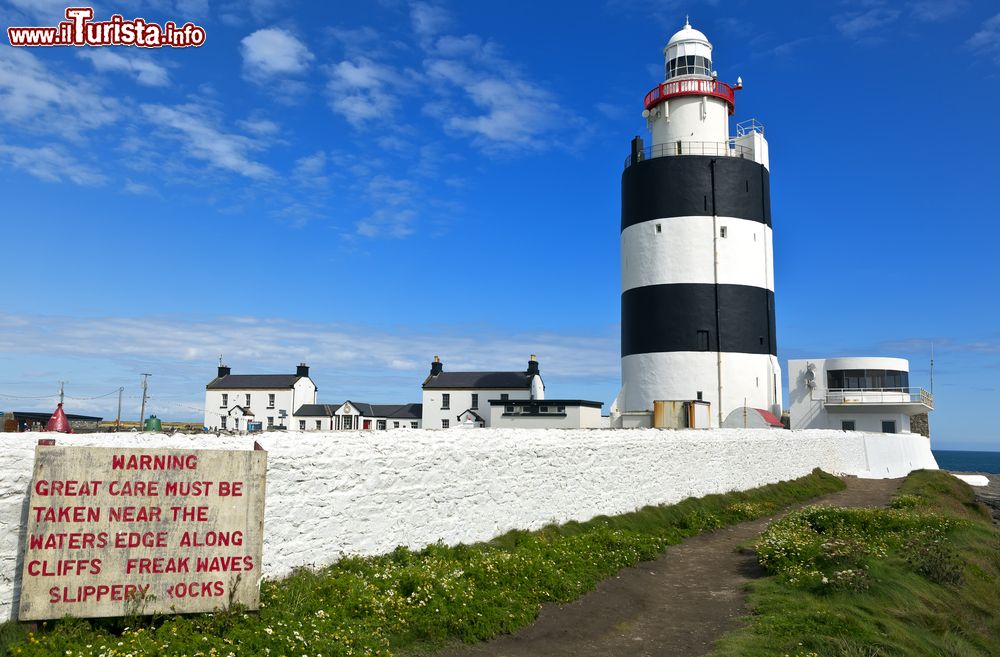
(79, 29)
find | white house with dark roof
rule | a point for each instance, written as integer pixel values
(463, 398)
(356, 416)
(232, 401)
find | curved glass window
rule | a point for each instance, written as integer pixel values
(867, 379)
(689, 65)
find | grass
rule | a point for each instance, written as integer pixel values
(920, 578)
(411, 600)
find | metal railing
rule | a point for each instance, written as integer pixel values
(715, 148)
(690, 87)
(744, 128)
(880, 396)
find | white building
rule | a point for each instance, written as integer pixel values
(546, 414)
(357, 416)
(453, 398)
(854, 394)
(697, 271)
(232, 401)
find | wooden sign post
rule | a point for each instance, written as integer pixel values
(113, 532)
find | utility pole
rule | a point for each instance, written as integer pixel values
(61, 384)
(145, 387)
(118, 420)
(932, 368)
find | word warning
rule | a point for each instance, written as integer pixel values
(146, 531)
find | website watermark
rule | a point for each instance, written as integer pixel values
(80, 29)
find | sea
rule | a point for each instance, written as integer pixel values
(968, 461)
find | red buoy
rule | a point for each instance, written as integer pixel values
(58, 421)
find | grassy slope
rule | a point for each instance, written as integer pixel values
(921, 598)
(407, 600)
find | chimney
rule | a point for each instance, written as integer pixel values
(437, 366)
(533, 365)
(302, 370)
(223, 371)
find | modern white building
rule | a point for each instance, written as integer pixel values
(854, 394)
(453, 398)
(697, 271)
(546, 414)
(357, 416)
(232, 401)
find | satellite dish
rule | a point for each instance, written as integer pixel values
(645, 114)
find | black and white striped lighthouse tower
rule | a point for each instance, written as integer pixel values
(696, 248)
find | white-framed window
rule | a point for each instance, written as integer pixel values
(395, 425)
(224, 422)
(445, 401)
(270, 400)
(248, 400)
(380, 425)
(270, 423)
(319, 424)
(302, 425)
(225, 400)
(888, 426)
(445, 424)
(504, 396)
(348, 424)
(475, 400)
(413, 425)
(560, 409)
(723, 232)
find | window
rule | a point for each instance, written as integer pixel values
(248, 400)
(723, 232)
(560, 409)
(699, 395)
(380, 425)
(508, 409)
(847, 425)
(543, 409)
(445, 401)
(225, 400)
(395, 425)
(475, 400)
(445, 424)
(224, 423)
(703, 340)
(413, 425)
(319, 424)
(659, 228)
(302, 425)
(270, 423)
(348, 424)
(504, 396)
(888, 426)
(270, 400)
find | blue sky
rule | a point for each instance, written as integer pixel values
(364, 185)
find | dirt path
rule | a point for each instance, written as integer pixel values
(676, 606)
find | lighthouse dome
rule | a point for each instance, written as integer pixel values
(688, 52)
(688, 33)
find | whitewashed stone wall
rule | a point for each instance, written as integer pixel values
(367, 492)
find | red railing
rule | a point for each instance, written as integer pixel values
(674, 88)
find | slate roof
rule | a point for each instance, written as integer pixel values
(393, 411)
(256, 381)
(481, 380)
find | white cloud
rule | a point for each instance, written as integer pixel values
(863, 24)
(388, 222)
(46, 12)
(141, 67)
(986, 39)
(935, 10)
(309, 171)
(202, 139)
(361, 90)
(50, 163)
(34, 98)
(428, 19)
(273, 52)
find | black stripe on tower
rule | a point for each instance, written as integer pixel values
(682, 317)
(681, 186)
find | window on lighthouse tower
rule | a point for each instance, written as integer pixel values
(689, 65)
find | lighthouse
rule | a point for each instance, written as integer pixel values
(696, 248)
